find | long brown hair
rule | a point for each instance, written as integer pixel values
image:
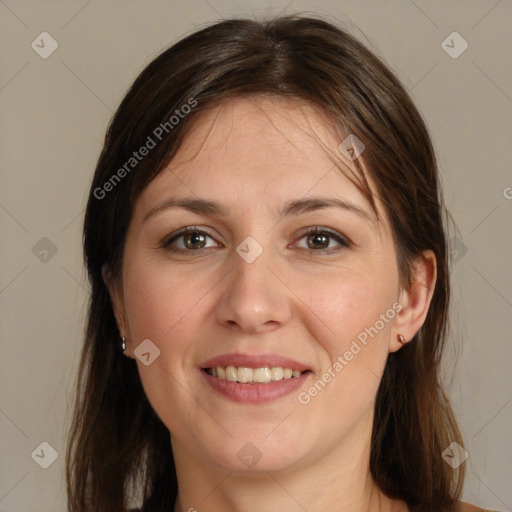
(118, 448)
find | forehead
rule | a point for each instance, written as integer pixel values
(258, 148)
(270, 128)
(289, 127)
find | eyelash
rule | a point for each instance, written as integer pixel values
(344, 242)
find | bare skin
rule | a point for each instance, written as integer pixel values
(292, 300)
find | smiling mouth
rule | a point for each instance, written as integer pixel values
(246, 375)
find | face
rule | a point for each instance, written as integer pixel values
(258, 287)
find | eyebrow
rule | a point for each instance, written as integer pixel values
(295, 207)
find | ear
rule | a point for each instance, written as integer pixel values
(415, 299)
(116, 298)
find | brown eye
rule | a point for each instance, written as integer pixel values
(194, 240)
(319, 239)
(187, 240)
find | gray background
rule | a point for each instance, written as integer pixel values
(54, 115)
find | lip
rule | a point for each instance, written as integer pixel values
(239, 392)
(254, 392)
(254, 361)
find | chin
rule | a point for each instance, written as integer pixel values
(254, 454)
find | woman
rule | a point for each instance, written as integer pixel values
(264, 240)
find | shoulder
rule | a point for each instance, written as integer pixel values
(462, 506)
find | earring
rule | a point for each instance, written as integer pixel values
(123, 343)
(401, 339)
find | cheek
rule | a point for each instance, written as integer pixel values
(163, 306)
(347, 304)
(352, 339)
(159, 301)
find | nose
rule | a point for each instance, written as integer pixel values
(254, 296)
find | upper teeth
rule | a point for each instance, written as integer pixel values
(247, 375)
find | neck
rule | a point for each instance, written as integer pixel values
(340, 480)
